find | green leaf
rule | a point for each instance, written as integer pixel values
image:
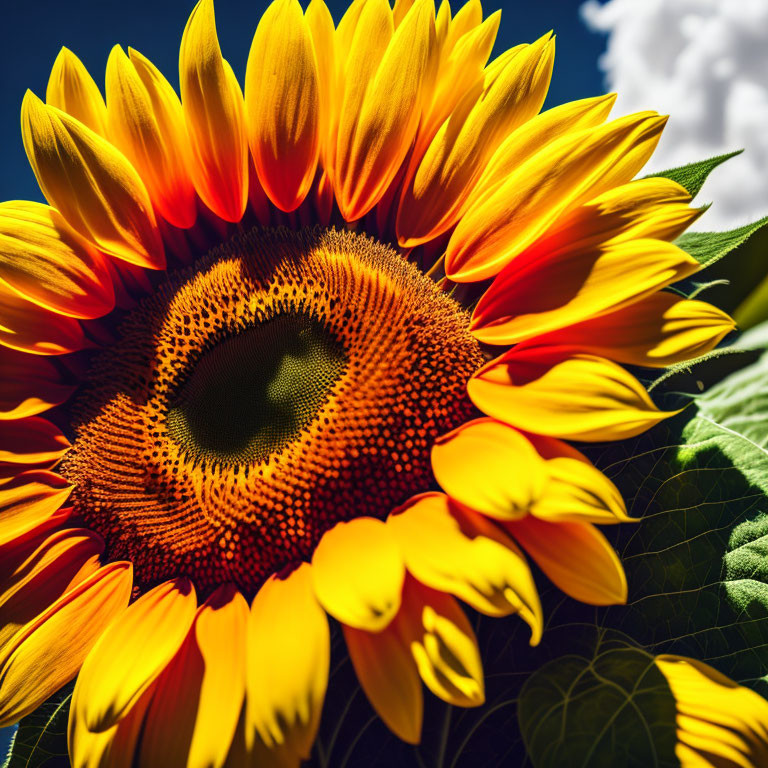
(41, 738)
(693, 176)
(709, 247)
(611, 707)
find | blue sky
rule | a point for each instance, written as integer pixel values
(91, 27)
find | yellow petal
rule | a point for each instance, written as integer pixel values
(59, 563)
(655, 332)
(576, 557)
(373, 143)
(455, 550)
(538, 132)
(197, 701)
(30, 385)
(48, 651)
(282, 104)
(576, 490)
(443, 645)
(91, 184)
(358, 573)
(436, 196)
(561, 176)
(28, 500)
(31, 441)
(30, 328)
(213, 109)
(320, 23)
(719, 723)
(388, 674)
(146, 123)
(132, 653)
(489, 467)
(288, 659)
(552, 391)
(72, 90)
(43, 259)
(541, 292)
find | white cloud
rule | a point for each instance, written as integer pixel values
(705, 62)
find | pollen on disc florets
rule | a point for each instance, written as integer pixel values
(289, 381)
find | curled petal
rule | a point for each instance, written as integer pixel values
(282, 103)
(576, 557)
(72, 90)
(555, 392)
(358, 573)
(489, 467)
(43, 259)
(130, 655)
(288, 661)
(455, 550)
(213, 109)
(31, 441)
(91, 184)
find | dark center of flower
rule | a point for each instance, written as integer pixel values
(289, 381)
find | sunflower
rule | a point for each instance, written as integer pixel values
(315, 350)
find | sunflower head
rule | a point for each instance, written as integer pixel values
(315, 350)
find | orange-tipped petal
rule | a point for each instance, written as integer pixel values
(567, 173)
(43, 259)
(31, 441)
(282, 104)
(320, 23)
(197, 701)
(456, 550)
(490, 467)
(559, 393)
(576, 557)
(28, 500)
(91, 184)
(72, 90)
(30, 385)
(146, 123)
(132, 653)
(373, 143)
(538, 293)
(213, 109)
(48, 652)
(657, 331)
(288, 660)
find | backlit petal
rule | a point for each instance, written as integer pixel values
(358, 573)
(372, 147)
(47, 262)
(657, 331)
(538, 293)
(568, 172)
(719, 723)
(30, 328)
(576, 557)
(455, 550)
(552, 391)
(320, 23)
(132, 653)
(146, 123)
(443, 645)
(72, 90)
(576, 490)
(31, 441)
(490, 467)
(197, 701)
(436, 196)
(30, 385)
(213, 109)
(282, 104)
(28, 500)
(288, 659)
(48, 651)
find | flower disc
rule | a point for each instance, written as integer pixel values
(258, 399)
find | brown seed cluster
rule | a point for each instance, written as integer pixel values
(289, 381)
